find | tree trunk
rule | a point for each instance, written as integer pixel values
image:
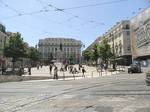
(13, 66)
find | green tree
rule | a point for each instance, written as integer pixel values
(95, 53)
(71, 59)
(87, 55)
(105, 50)
(15, 48)
(33, 54)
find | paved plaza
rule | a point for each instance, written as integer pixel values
(119, 92)
(90, 72)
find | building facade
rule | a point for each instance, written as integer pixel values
(3, 40)
(119, 40)
(60, 49)
(140, 37)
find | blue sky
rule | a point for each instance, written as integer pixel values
(81, 23)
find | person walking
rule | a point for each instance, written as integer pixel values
(29, 69)
(50, 69)
(37, 66)
(56, 73)
(83, 71)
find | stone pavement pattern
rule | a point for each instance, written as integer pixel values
(116, 93)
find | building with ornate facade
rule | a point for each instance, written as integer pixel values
(140, 37)
(119, 40)
(3, 41)
(60, 49)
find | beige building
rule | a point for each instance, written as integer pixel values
(119, 40)
(3, 38)
(61, 49)
(140, 37)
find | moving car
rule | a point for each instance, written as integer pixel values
(134, 68)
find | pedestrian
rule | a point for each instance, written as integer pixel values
(50, 69)
(21, 70)
(37, 66)
(41, 65)
(105, 66)
(83, 71)
(71, 69)
(29, 69)
(3, 69)
(55, 73)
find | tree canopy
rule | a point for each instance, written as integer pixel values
(33, 54)
(15, 48)
(105, 50)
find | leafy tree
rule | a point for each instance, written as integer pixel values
(105, 51)
(71, 59)
(16, 48)
(87, 55)
(33, 54)
(95, 53)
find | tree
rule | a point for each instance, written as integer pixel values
(105, 50)
(71, 59)
(95, 53)
(33, 54)
(15, 48)
(87, 55)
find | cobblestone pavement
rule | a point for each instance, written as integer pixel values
(115, 93)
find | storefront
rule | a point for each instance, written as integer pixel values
(140, 37)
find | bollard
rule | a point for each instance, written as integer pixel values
(92, 74)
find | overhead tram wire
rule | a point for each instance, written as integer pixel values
(94, 5)
(9, 7)
(73, 16)
(56, 9)
(29, 14)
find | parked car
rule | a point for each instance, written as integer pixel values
(134, 68)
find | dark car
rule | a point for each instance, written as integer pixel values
(134, 68)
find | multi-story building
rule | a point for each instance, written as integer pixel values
(3, 40)
(119, 40)
(140, 37)
(61, 49)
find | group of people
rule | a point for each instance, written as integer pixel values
(53, 68)
(65, 68)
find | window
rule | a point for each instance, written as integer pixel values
(128, 48)
(127, 27)
(128, 32)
